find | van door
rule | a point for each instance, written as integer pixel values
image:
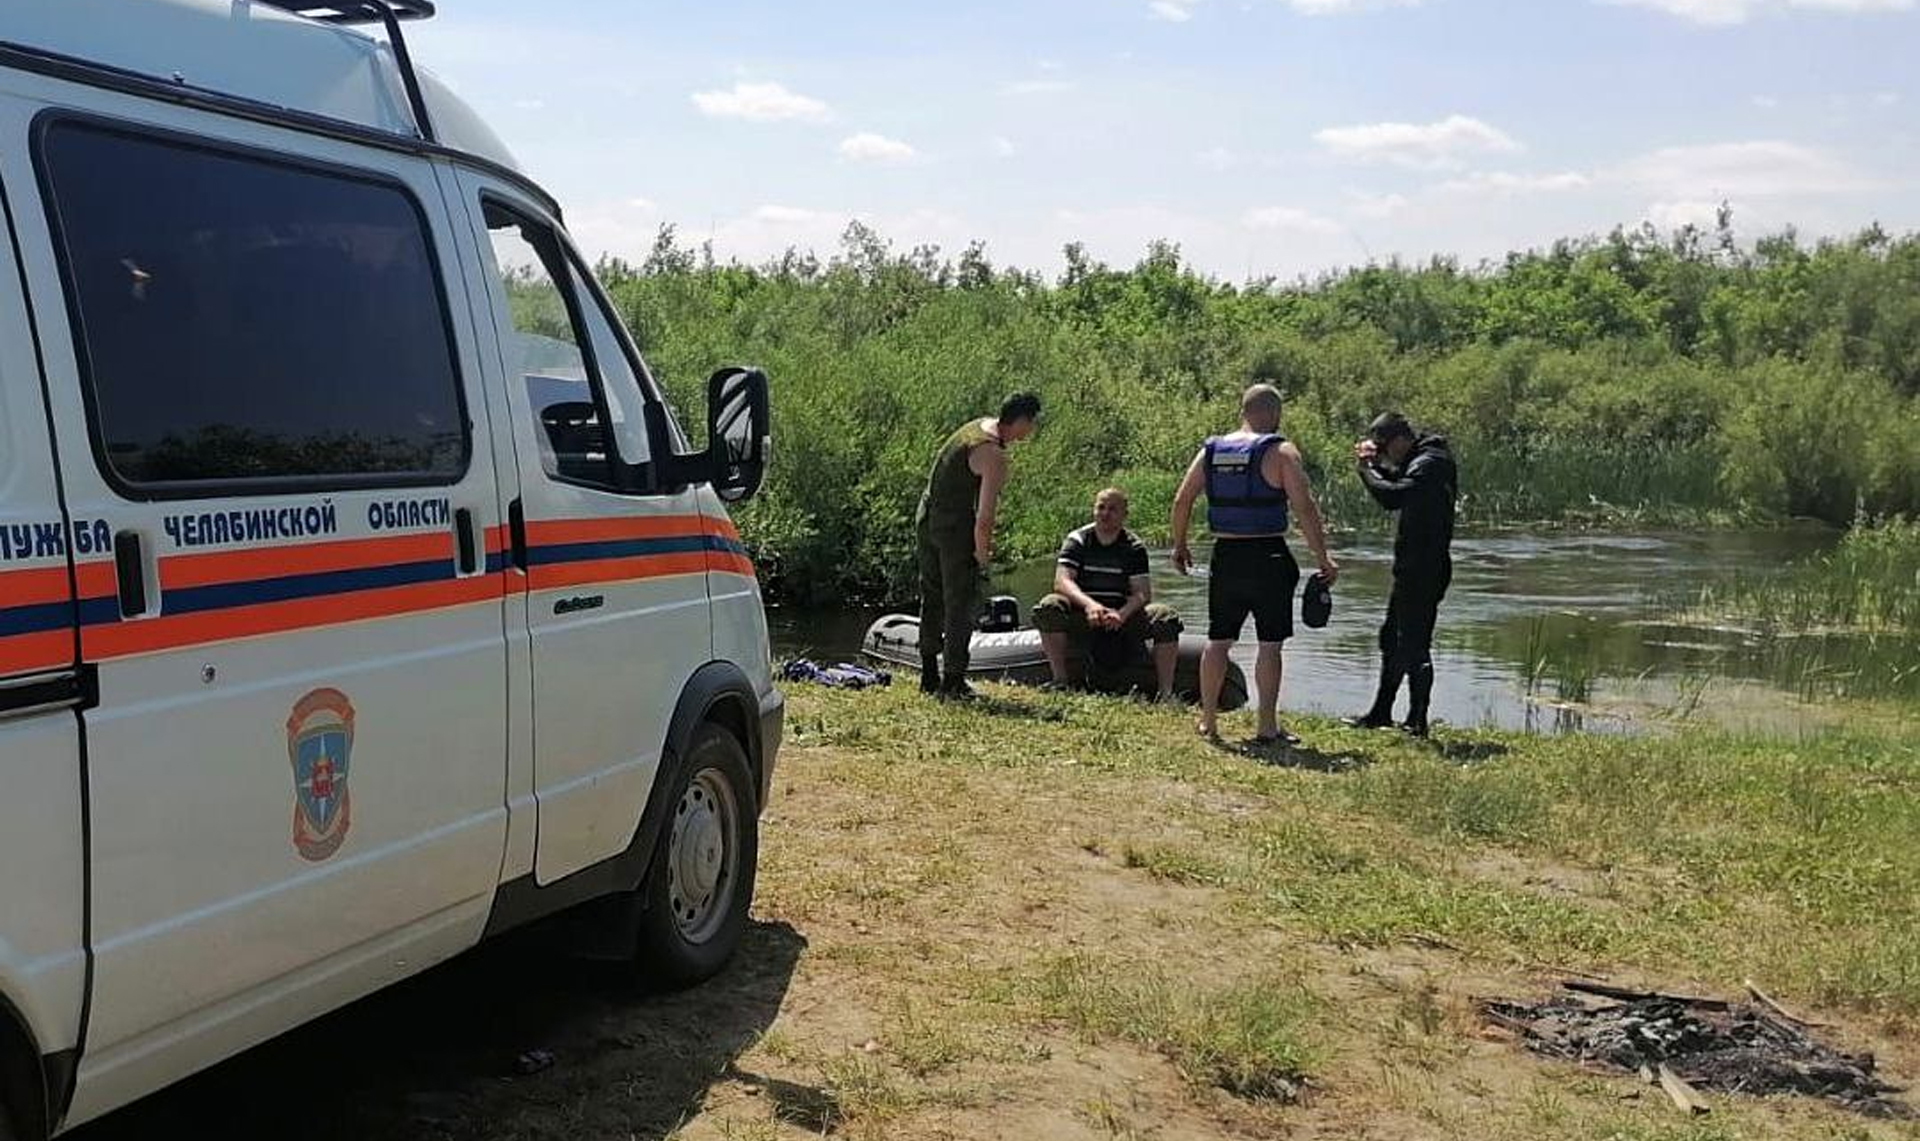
(43, 886)
(614, 574)
(269, 401)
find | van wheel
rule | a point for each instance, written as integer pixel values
(700, 884)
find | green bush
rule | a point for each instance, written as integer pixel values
(1637, 378)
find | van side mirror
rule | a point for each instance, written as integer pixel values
(739, 432)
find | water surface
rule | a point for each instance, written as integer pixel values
(1541, 631)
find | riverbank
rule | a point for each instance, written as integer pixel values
(1062, 917)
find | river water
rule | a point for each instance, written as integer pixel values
(1551, 632)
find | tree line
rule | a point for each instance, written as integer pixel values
(1643, 376)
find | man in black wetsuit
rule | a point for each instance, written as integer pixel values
(1414, 474)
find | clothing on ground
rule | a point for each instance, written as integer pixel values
(844, 675)
(1251, 577)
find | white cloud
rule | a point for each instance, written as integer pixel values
(1674, 215)
(761, 103)
(1172, 11)
(1768, 168)
(1376, 206)
(769, 230)
(1004, 147)
(1333, 7)
(1886, 98)
(1420, 145)
(644, 205)
(1766, 102)
(529, 104)
(1218, 158)
(1504, 184)
(1724, 13)
(869, 147)
(1036, 86)
(786, 215)
(1288, 218)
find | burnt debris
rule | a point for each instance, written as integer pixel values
(1709, 1044)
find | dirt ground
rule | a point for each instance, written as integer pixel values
(956, 951)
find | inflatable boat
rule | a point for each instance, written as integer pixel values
(1016, 656)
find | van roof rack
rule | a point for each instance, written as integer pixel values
(354, 11)
(388, 12)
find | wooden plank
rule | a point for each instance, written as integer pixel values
(1767, 1001)
(1622, 994)
(1684, 1096)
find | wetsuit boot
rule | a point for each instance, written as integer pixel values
(1381, 715)
(1419, 697)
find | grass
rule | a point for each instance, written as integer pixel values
(1252, 1039)
(1870, 583)
(1844, 624)
(1790, 859)
(1037, 888)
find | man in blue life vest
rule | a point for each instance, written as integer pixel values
(1103, 600)
(1413, 474)
(1250, 478)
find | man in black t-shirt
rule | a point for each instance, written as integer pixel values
(1103, 599)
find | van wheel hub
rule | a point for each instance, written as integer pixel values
(701, 855)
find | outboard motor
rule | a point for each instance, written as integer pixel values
(1000, 614)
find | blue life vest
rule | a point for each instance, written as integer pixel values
(1240, 501)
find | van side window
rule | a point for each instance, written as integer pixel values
(563, 348)
(239, 318)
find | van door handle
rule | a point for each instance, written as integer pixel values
(130, 569)
(49, 693)
(463, 536)
(517, 533)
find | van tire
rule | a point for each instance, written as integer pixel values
(699, 884)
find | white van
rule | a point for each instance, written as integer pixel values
(360, 597)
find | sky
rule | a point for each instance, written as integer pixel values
(1275, 138)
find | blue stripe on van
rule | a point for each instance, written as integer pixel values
(37, 618)
(221, 596)
(621, 549)
(97, 611)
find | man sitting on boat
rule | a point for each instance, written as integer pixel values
(1102, 604)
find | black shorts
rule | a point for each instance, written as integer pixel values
(1251, 576)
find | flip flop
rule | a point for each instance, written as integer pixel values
(1281, 738)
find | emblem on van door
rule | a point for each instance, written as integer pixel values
(320, 745)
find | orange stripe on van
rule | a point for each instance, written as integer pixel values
(97, 579)
(558, 532)
(30, 653)
(28, 587)
(553, 575)
(726, 562)
(166, 633)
